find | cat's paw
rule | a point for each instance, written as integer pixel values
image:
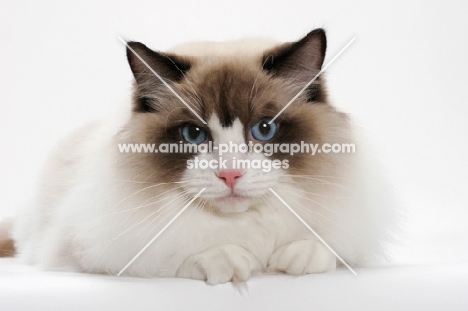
(302, 257)
(220, 265)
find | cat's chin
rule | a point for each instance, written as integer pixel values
(232, 204)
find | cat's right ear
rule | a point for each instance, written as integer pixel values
(146, 66)
(299, 62)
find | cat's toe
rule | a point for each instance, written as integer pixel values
(302, 257)
(220, 265)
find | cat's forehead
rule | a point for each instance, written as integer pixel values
(233, 91)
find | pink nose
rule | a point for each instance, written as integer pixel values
(230, 177)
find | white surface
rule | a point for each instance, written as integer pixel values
(439, 287)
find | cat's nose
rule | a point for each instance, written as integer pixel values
(230, 177)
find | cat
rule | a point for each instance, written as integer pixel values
(97, 207)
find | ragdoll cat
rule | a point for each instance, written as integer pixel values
(96, 207)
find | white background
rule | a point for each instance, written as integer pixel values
(404, 79)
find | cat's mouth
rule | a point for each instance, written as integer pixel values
(233, 198)
(233, 203)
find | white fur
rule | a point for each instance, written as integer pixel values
(242, 47)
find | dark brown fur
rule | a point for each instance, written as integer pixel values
(7, 245)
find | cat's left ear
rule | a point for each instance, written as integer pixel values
(300, 61)
(143, 61)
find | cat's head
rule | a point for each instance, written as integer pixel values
(230, 98)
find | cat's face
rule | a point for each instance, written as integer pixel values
(237, 97)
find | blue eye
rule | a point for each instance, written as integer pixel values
(263, 131)
(193, 134)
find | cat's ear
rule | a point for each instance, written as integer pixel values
(300, 61)
(169, 67)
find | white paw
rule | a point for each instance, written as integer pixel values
(219, 265)
(302, 257)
